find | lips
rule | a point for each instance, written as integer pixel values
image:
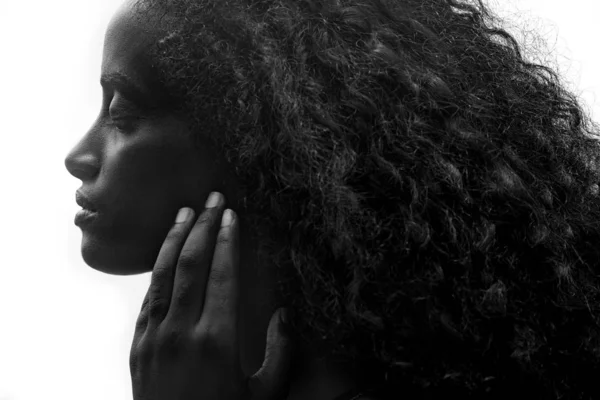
(84, 202)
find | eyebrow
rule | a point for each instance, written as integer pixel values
(128, 88)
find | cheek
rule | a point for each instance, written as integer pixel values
(145, 182)
(142, 185)
(148, 165)
(152, 182)
(145, 179)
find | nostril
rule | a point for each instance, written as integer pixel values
(83, 168)
(82, 173)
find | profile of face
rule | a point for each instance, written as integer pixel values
(137, 163)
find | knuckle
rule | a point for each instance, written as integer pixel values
(145, 302)
(224, 238)
(161, 273)
(157, 308)
(133, 360)
(212, 343)
(208, 217)
(176, 233)
(187, 261)
(171, 342)
(134, 356)
(142, 321)
(219, 276)
(221, 304)
(183, 297)
(140, 353)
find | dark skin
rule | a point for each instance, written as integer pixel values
(138, 166)
(185, 344)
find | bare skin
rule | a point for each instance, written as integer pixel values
(138, 167)
(185, 344)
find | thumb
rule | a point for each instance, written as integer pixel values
(272, 380)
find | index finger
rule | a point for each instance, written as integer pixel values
(142, 320)
(161, 283)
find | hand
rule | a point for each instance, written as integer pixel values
(185, 345)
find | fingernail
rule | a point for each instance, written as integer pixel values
(285, 316)
(183, 215)
(227, 218)
(213, 200)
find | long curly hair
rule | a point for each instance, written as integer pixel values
(432, 195)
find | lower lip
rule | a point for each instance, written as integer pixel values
(84, 217)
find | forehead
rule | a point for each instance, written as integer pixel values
(127, 44)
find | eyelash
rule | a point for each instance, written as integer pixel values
(125, 124)
(122, 115)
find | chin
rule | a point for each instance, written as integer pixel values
(115, 259)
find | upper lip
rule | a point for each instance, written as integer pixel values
(84, 202)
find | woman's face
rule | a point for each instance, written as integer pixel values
(138, 166)
(137, 163)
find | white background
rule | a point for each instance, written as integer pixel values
(65, 329)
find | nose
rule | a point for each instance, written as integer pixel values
(82, 166)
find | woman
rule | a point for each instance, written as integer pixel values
(423, 200)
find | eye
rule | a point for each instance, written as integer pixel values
(123, 116)
(125, 124)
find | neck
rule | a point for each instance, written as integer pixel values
(314, 378)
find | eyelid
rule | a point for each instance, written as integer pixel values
(127, 124)
(123, 106)
(119, 112)
(123, 114)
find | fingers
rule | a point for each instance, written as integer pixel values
(193, 265)
(222, 289)
(161, 284)
(142, 320)
(272, 380)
